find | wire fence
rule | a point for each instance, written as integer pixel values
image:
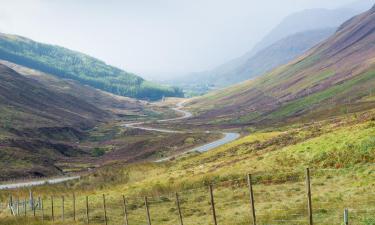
(316, 197)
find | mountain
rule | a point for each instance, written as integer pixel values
(315, 22)
(270, 57)
(335, 77)
(310, 19)
(73, 65)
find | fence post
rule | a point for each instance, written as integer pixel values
(346, 217)
(42, 207)
(87, 210)
(147, 211)
(74, 207)
(31, 200)
(11, 205)
(34, 209)
(24, 207)
(125, 211)
(39, 203)
(179, 209)
(52, 210)
(18, 206)
(251, 192)
(213, 204)
(105, 210)
(308, 189)
(10, 200)
(62, 208)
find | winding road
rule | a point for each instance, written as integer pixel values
(37, 183)
(228, 137)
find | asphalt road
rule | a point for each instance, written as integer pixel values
(228, 137)
(37, 183)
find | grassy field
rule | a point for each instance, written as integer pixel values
(340, 153)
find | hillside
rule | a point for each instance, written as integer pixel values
(338, 152)
(52, 126)
(39, 125)
(73, 65)
(106, 101)
(336, 76)
(311, 25)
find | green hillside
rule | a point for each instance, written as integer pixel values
(73, 65)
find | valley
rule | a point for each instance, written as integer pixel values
(286, 136)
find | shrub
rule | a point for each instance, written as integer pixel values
(97, 152)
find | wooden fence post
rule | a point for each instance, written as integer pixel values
(52, 210)
(251, 193)
(11, 205)
(125, 211)
(87, 210)
(24, 207)
(62, 208)
(10, 200)
(18, 206)
(31, 200)
(74, 207)
(308, 190)
(39, 203)
(105, 210)
(147, 211)
(42, 208)
(346, 217)
(213, 204)
(34, 209)
(179, 209)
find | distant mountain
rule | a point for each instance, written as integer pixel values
(73, 65)
(270, 57)
(315, 22)
(333, 78)
(309, 19)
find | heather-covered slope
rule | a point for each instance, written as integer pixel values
(332, 78)
(39, 125)
(87, 70)
(104, 100)
(28, 97)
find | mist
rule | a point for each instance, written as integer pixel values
(156, 39)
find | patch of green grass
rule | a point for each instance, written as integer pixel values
(309, 101)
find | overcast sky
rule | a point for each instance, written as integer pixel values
(152, 37)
